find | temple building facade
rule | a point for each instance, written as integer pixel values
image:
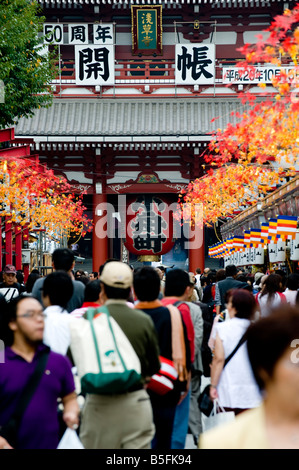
(142, 85)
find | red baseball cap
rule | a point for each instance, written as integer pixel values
(9, 268)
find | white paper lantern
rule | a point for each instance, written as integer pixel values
(272, 249)
(281, 251)
(294, 255)
(259, 255)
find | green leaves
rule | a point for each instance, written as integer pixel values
(25, 73)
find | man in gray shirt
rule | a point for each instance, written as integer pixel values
(63, 259)
(225, 285)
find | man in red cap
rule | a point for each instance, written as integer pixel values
(10, 288)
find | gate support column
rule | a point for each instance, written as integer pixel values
(99, 236)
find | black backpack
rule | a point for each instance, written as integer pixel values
(206, 353)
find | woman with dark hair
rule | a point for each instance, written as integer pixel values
(30, 282)
(234, 386)
(272, 344)
(208, 296)
(270, 296)
(292, 286)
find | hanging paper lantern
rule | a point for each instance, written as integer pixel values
(149, 225)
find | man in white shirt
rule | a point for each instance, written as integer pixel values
(56, 292)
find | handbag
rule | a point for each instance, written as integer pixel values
(217, 417)
(205, 403)
(105, 359)
(163, 381)
(10, 430)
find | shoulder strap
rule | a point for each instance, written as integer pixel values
(33, 383)
(6, 292)
(282, 297)
(90, 314)
(242, 340)
(180, 302)
(28, 391)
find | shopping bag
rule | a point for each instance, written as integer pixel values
(70, 440)
(217, 417)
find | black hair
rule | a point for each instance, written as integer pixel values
(9, 314)
(31, 281)
(92, 291)
(82, 273)
(146, 284)
(231, 270)
(84, 279)
(269, 338)
(101, 269)
(283, 276)
(116, 292)
(161, 268)
(63, 259)
(211, 277)
(272, 284)
(20, 277)
(220, 275)
(35, 271)
(59, 287)
(293, 281)
(176, 282)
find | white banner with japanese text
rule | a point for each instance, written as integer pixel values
(195, 64)
(94, 65)
(253, 75)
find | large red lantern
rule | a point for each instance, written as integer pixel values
(149, 225)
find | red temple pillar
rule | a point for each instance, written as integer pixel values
(26, 266)
(18, 247)
(1, 244)
(8, 241)
(99, 236)
(197, 250)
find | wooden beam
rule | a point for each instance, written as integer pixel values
(10, 152)
(6, 135)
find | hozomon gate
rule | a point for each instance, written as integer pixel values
(139, 124)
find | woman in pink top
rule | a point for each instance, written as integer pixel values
(270, 296)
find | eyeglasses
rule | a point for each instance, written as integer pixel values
(32, 314)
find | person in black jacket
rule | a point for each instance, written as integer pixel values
(10, 288)
(224, 286)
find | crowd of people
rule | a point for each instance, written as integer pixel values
(174, 320)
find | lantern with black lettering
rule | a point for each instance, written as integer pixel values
(150, 226)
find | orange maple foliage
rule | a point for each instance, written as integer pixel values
(251, 156)
(32, 195)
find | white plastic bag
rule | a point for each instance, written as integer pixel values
(70, 440)
(217, 417)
